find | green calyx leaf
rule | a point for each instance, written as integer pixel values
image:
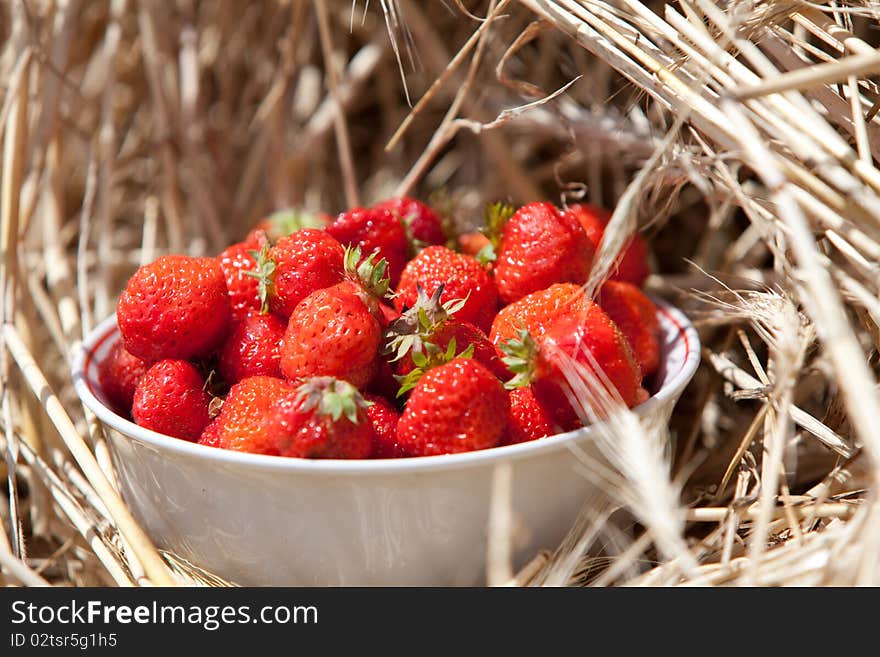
(331, 397)
(487, 254)
(371, 275)
(495, 216)
(265, 275)
(414, 328)
(431, 357)
(521, 358)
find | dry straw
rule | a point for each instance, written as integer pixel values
(741, 137)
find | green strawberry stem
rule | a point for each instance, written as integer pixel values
(496, 216)
(521, 358)
(265, 275)
(415, 327)
(433, 356)
(331, 397)
(372, 276)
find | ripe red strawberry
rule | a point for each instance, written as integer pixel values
(244, 295)
(576, 342)
(462, 276)
(430, 327)
(374, 229)
(296, 266)
(175, 307)
(252, 348)
(331, 333)
(384, 418)
(529, 418)
(636, 317)
(535, 311)
(389, 315)
(171, 399)
(241, 424)
(323, 419)
(384, 382)
(118, 376)
(211, 435)
(456, 407)
(282, 223)
(540, 246)
(422, 225)
(632, 264)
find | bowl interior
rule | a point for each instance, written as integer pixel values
(680, 356)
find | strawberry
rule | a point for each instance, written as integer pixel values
(368, 279)
(384, 382)
(579, 340)
(211, 435)
(535, 311)
(422, 225)
(118, 376)
(462, 276)
(244, 295)
(332, 333)
(456, 407)
(632, 264)
(296, 266)
(636, 317)
(373, 229)
(241, 424)
(171, 399)
(324, 418)
(176, 307)
(252, 348)
(430, 325)
(530, 419)
(384, 418)
(540, 246)
(282, 223)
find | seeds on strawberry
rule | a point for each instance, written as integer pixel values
(118, 376)
(176, 307)
(456, 407)
(170, 398)
(535, 311)
(331, 333)
(244, 296)
(632, 264)
(422, 225)
(211, 435)
(373, 229)
(324, 418)
(529, 419)
(384, 418)
(252, 348)
(540, 246)
(431, 325)
(296, 266)
(582, 343)
(636, 317)
(241, 424)
(462, 276)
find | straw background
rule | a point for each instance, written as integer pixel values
(741, 137)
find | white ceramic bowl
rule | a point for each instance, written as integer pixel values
(268, 520)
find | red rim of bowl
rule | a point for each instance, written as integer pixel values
(672, 387)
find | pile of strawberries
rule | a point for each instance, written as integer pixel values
(375, 335)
